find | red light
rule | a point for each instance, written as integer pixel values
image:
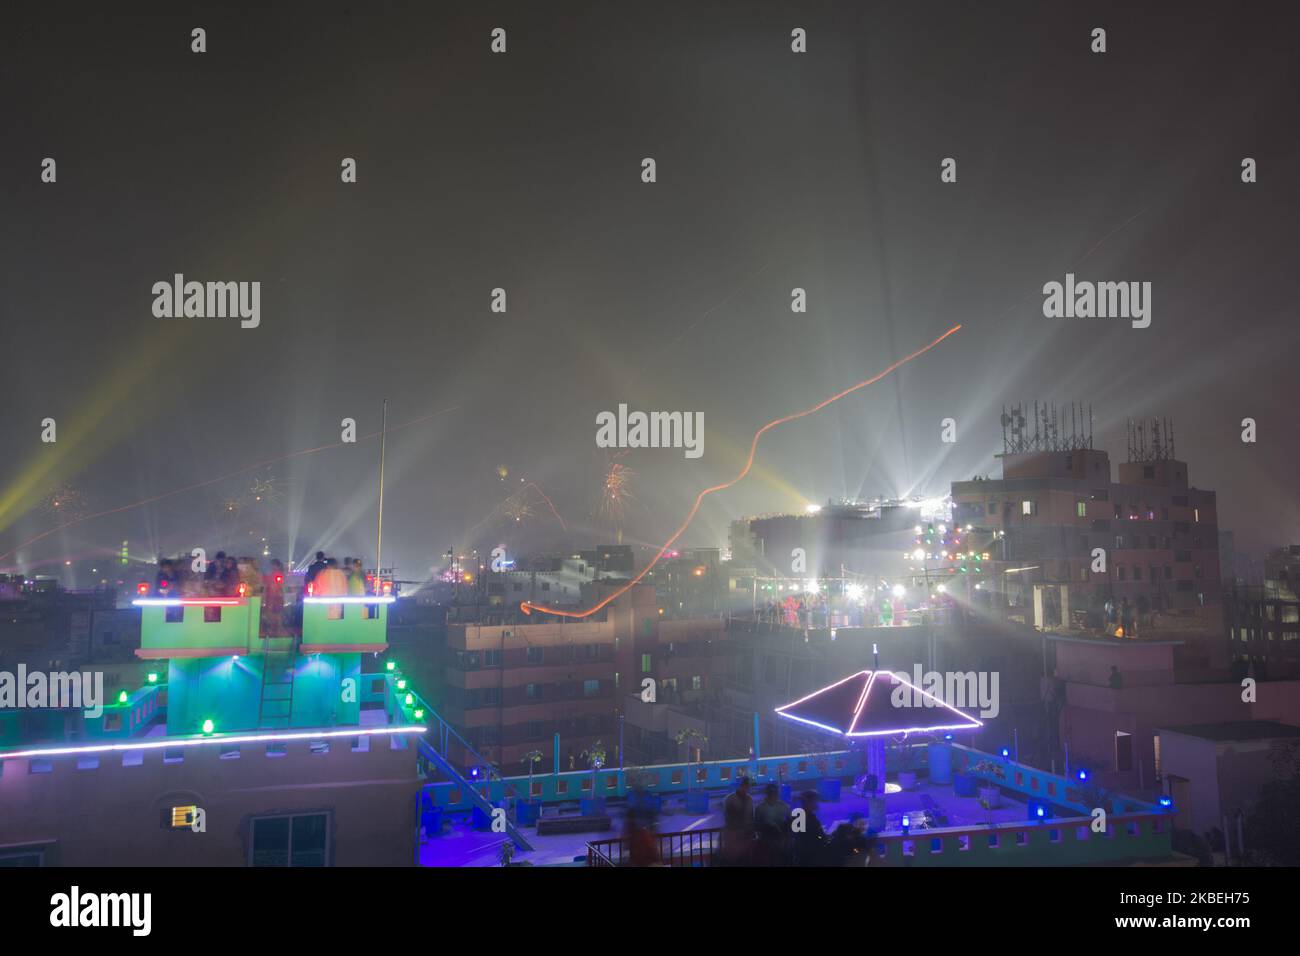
(279, 579)
(142, 588)
(388, 587)
(242, 590)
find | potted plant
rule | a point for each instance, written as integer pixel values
(528, 810)
(963, 784)
(594, 806)
(990, 794)
(696, 801)
(638, 783)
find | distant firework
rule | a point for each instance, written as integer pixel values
(64, 503)
(263, 490)
(516, 507)
(616, 492)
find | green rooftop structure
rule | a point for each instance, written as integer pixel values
(232, 667)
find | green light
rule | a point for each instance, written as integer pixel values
(410, 699)
(392, 665)
(153, 678)
(208, 726)
(401, 684)
(419, 715)
(122, 698)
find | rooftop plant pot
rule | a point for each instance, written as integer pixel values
(526, 813)
(992, 796)
(592, 806)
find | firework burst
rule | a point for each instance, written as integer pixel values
(516, 508)
(616, 492)
(64, 503)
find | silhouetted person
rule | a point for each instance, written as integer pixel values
(848, 844)
(313, 569)
(642, 847)
(772, 824)
(737, 824)
(810, 841)
(165, 581)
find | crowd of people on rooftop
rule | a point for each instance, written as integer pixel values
(229, 576)
(768, 833)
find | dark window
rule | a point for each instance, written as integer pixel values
(298, 840)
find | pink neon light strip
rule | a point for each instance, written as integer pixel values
(190, 602)
(862, 701)
(166, 743)
(348, 599)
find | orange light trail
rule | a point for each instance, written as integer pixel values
(212, 481)
(528, 607)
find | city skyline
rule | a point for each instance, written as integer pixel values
(675, 294)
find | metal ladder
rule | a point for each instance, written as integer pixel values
(276, 705)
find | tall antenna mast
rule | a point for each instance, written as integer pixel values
(379, 540)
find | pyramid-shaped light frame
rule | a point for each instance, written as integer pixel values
(967, 722)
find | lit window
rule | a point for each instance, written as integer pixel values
(1029, 507)
(183, 817)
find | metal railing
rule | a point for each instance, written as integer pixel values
(680, 848)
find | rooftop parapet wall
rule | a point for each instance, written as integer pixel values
(198, 627)
(102, 807)
(359, 624)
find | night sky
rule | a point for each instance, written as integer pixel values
(523, 171)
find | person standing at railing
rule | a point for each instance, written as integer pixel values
(772, 823)
(356, 578)
(809, 836)
(737, 826)
(642, 846)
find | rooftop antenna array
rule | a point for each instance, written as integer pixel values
(1055, 428)
(1150, 440)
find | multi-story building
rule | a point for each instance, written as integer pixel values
(516, 688)
(1263, 622)
(1057, 510)
(242, 747)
